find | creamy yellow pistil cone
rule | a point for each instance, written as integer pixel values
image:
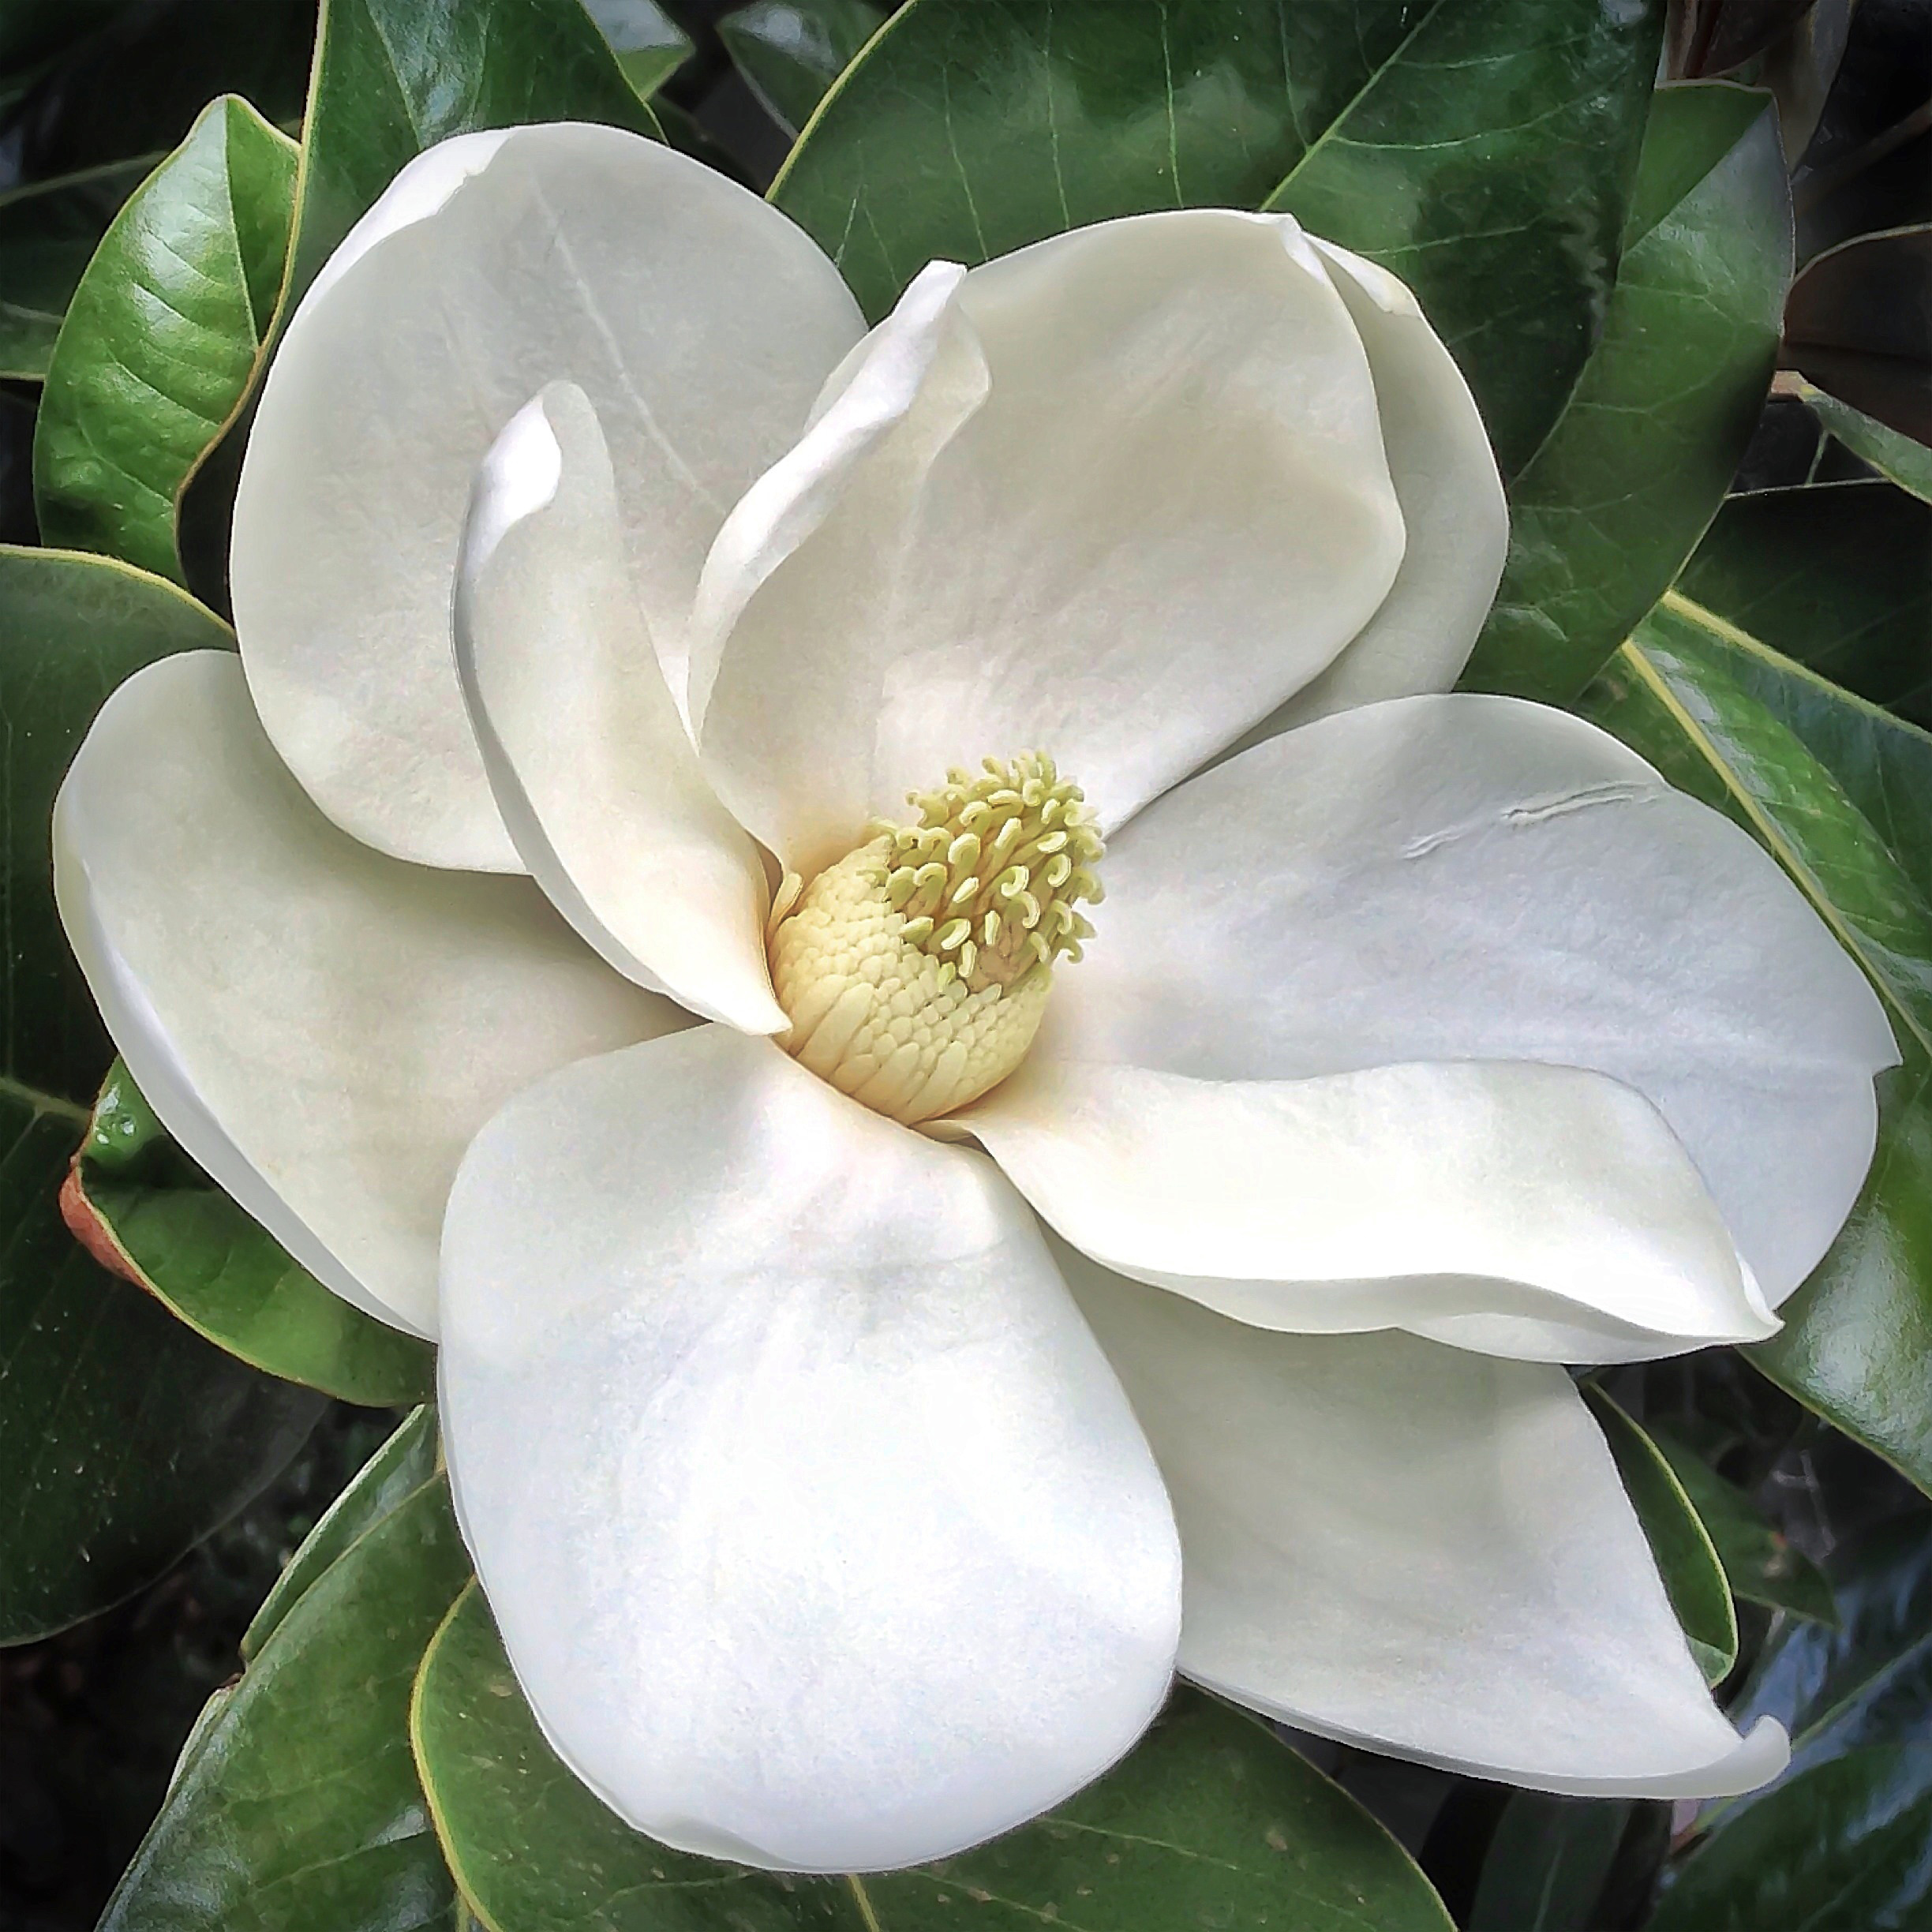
(916, 970)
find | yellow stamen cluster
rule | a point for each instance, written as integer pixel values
(915, 971)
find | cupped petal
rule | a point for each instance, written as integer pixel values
(1536, 1211)
(1115, 496)
(1461, 877)
(819, 1532)
(698, 319)
(596, 778)
(1452, 504)
(1418, 1550)
(322, 1028)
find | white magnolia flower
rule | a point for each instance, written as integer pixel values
(847, 1490)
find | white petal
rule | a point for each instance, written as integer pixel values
(1470, 878)
(1531, 1210)
(323, 1028)
(1452, 504)
(1426, 1551)
(592, 770)
(818, 1530)
(697, 318)
(1115, 496)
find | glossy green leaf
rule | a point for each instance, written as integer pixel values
(1210, 1821)
(1762, 1565)
(791, 51)
(410, 1457)
(1902, 459)
(1835, 576)
(1841, 1849)
(650, 45)
(1482, 148)
(1694, 1578)
(1856, 1347)
(1547, 1862)
(1603, 517)
(124, 1438)
(162, 338)
(176, 1232)
(300, 1812)
(71, 628)
(48, 234)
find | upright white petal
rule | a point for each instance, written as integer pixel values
(1472, 877)
(1417, 1549)
(1536, 1211)
(588, 758)
(819, 1533)
(323, 1028)
(697, 318)
(1115, 496)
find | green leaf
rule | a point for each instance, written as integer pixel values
(173, 1230)
(1762, 1564)
(1547, 1862)
(1834, 575)
(650, 45)
(124, 1438)
(162, 339)
(1841, 1849)
(964, 131)
(71, 628)
(791, 51)
(1857, 1343)
(1902, 459)
(1603, 517)
(1694, 1578)
(1210, 1821)
(410, 1458)
(1858, 325)
(48, 234)
(300, 1812)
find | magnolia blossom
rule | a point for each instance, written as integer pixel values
(879, 1346)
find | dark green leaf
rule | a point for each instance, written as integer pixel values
(1603, 517)
(1858, 1336)
(1694, 1578)
(650, 45)
(1837, 576)
(31, 29)
(71, 628)
(1546, 1865)
(1858, 325)
(964, 131)
(1841, 1849)
(1762, 1564)
(1210, 1821)
(790, 51)
(124, 1438)
(48, 234)
(410, 1458)
(300, 1811)
(1906, 462)
(176, 1232)
(162, 338)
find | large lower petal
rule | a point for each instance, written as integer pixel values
(1472, 877)
(1115, 497)
(1417, 1549)
(818, 1528)
(323, 1028)
(592, 770)
(1538, 1211)
(700, 321)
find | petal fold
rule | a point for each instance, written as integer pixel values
(700, 321)
(1113, 496)
(1417, 1549)
(589, 762)
(322, 1028)
(819, 1532)
(1535, 1211)
(1461, 877)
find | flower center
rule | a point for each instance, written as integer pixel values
(916, 970)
